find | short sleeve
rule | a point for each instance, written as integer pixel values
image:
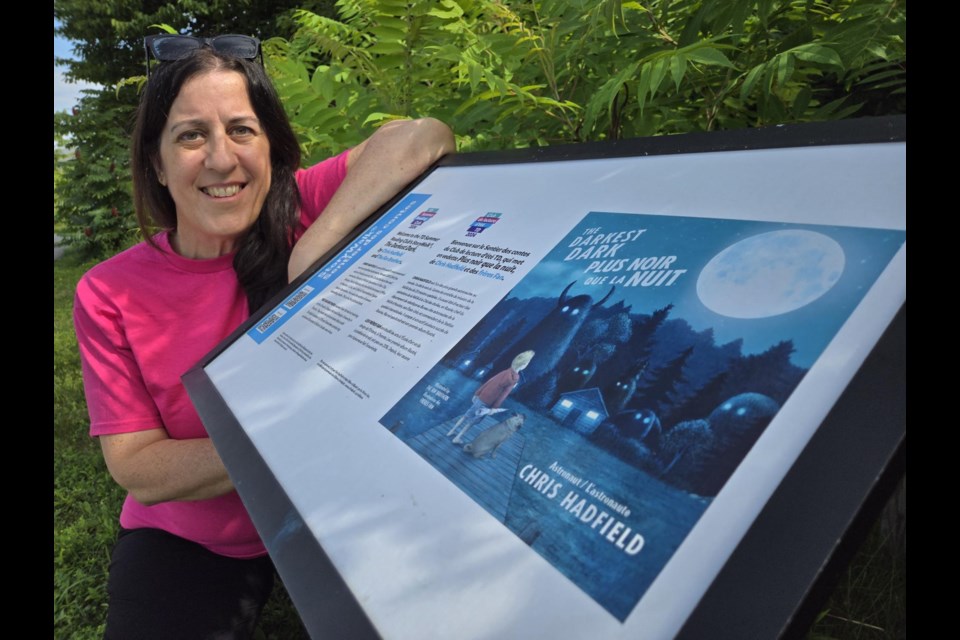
(117, 396)
(317, 185)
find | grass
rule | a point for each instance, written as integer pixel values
(870, 599)
(869, 603)
(86, 501)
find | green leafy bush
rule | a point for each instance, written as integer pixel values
(510, 74)
(516, 74)
(93, 209)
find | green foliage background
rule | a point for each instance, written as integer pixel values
(517, 74)
(502, 73)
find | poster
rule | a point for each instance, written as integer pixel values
(692, 317)
(588, 414)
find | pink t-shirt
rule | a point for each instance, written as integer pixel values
(143, 318)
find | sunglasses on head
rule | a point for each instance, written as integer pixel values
(166, 47)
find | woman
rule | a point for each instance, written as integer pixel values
(215, 164)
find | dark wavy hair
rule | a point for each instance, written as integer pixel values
(263, 252)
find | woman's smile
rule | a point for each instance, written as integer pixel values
(221, 192)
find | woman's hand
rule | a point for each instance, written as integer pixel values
(155, 468)
(377, 169)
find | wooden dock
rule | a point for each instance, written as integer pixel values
(487, 480)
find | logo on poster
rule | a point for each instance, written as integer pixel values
(482, 223)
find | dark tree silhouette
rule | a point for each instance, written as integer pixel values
(664, 385)
(618, 394)
(636, 348)
(700, 403)
(538, 393)
(770, 373)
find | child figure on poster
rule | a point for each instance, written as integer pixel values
(491, 394)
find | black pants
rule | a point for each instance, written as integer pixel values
(163, 587)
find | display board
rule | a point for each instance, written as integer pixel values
(553, 390)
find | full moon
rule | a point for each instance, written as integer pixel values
(770, 274)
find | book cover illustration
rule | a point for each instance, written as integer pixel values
(598, 409)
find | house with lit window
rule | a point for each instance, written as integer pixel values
(582, 410)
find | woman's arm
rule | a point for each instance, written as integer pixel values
(140, 454)
(155, 468)
(377, 169)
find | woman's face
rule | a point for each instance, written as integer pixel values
(215, 161)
